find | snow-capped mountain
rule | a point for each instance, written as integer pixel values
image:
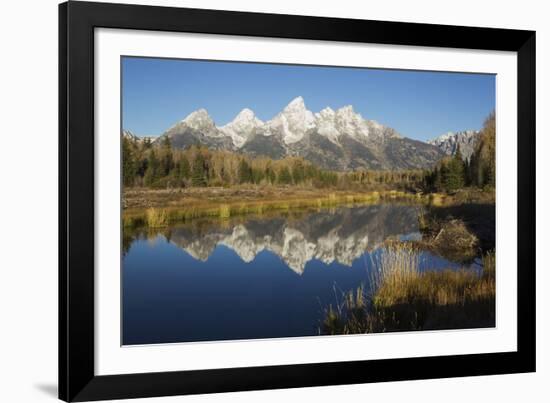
(293, 122)
(198, 128)
(334, 139)
(449, 142)
(242, 127)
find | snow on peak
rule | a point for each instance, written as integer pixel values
(198, 114)
(246, 115)
(442, 138)
(128, 134)
(326, 125)
(293, 121)
(452, 137)
(296, 103)
(326, 112)
(346, 110)
(200, 120)
(242, 127)
(351, 123)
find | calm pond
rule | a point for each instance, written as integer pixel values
(254, 277)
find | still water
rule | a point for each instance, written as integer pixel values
(255, 277)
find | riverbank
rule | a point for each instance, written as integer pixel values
(154, 208)
(158, 208)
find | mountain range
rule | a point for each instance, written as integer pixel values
(332, 139)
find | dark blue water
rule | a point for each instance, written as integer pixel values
(254, 278)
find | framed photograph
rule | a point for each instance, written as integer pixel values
(257, 201)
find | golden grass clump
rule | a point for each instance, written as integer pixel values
(436, 199)
(395, 268)
(489, 264)
(156, 218)
(405, 298)
(225, 211)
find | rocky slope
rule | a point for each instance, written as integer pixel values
(449, 142)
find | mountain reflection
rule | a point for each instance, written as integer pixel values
(340, 235)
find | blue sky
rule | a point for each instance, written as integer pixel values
(160, 92)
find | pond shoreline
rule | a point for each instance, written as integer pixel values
(164, 207)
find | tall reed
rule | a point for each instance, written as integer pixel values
(402, 297)
(156, 218)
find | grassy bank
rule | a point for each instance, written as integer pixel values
(214, 205)
(404, 298)
(158, 208)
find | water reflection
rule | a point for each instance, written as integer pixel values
(340, 235)
(253, 277)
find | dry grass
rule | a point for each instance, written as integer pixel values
(156, 218)
(180, 211)
(407, 299)
(453, 240)
(187, 203)
(225, 211)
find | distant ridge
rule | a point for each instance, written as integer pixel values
(449, 142)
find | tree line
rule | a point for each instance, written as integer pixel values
(162, 166)
(453, 173)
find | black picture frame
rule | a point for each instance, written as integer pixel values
(77, 379)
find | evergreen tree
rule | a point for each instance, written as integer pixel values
(298, 171)
(245, 172)
(482, 163)
(167, 160)
(153, 174)
(129, 165)
(459, 168)
(452, 173)
(284, 176)
(184, 168)
(438, 180)
(198, 172)
(270, 174)
(257, 175)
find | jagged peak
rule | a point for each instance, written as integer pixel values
(245, 119)
(198, 114)
(326, 112)
(450, 135)
(346, 109)
(296, 103)
(241, 127)
(246, 115)
(377, 125)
